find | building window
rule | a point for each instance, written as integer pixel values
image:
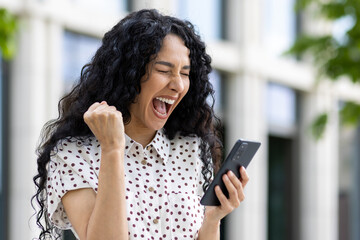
(281, 109)
(78, 50)
(1, 128)
(349, 178)
(216, 79)
(106, 6)
(283, 179)
(279, 21)
(209, 22)
(3, 148)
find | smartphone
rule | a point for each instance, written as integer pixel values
(240, 155)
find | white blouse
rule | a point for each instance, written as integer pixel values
(163, 184)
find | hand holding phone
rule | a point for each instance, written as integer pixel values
(240, 155)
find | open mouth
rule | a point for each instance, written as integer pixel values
(162, 105)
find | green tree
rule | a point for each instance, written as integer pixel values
(333, 57)
(8, 26)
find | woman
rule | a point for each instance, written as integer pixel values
(135, 145)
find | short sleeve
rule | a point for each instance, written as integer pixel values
(71, 168)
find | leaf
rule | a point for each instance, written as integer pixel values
(333, 58)
(8, 27)
(314, 44)
(344, 63)
(318, 126)
(334, 10)
(350, 114)
(302, 4)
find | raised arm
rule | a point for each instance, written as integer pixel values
(102, 215)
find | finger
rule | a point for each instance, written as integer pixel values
(93, 106)
(221, 196)
(112, 108)
(236, 182)
(233, 193)
(87, 114)
(97, 104)
(101, 107)
(244, 177)
(225, 204)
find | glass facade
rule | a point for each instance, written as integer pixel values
(78, 50)
(216, 80)
(209, 22)
(279, 188)
(105, 6)
(281, 105)
(2, 197)
(349, 178)
(3, 150)
(1, 127)
(279, 26)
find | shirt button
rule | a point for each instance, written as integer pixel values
(148, 147)
(155, 221)
(151, 189)
(143, 162)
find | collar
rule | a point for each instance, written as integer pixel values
(128, 143)
(160, 143)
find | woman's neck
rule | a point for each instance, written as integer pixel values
(141, 135)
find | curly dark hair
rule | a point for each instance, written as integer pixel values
(114, 75)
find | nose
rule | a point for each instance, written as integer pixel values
(177, 83)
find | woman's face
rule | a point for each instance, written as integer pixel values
(163, 87)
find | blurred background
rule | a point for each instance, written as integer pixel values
(304, 181)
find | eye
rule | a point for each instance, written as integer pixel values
(185, 74)
(163, 71)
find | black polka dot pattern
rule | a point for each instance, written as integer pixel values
(163, 184)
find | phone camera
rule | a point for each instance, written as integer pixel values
(241, 150)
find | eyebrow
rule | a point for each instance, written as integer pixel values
(168, 64)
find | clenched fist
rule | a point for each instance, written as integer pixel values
(107, 125)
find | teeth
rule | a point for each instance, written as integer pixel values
(163, 114)
(168, 101)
